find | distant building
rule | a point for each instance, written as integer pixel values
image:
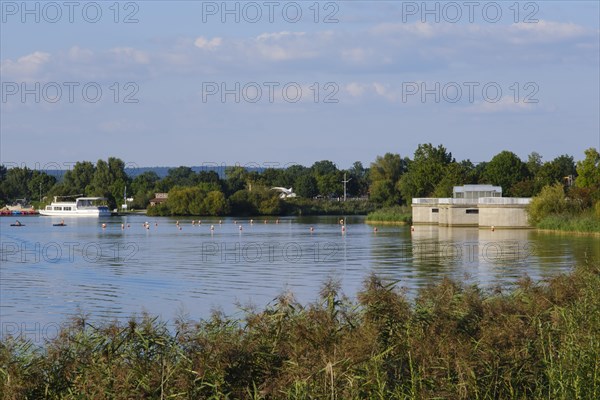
(159, 198)
(472, 205)
(476, 191)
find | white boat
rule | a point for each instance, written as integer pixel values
(81, 207)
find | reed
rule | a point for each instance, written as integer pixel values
(396, 214)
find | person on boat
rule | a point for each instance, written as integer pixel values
(18, 223)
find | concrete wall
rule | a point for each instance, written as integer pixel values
(423, 214)
(500, 213)
(452, 215)
(503, 216)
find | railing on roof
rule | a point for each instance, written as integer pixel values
(505, 200)
(425, 200)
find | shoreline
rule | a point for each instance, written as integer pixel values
(371, 222)
(563, 232)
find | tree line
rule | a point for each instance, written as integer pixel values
(389, 180)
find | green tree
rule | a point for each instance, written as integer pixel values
(425, 171)
(384, 174)
(505, 169)
(143, 188)
(215, 203)
(554, 171)
(306, 186)
(77, 180)
(551, 200)
(236, 179)
(40, 182)
(534, 163)
(14, 185)
(588, 170)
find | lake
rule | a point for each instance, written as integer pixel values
(50, 273)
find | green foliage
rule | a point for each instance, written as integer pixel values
(401, 214)
(588, 170)
(505, 169)
(554, 171)
(551, 200)
(427, 169)
(538, 341)
(384, 175)
(587, 221)
(302, 206)
(306, 186)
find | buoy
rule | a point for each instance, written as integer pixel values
(240, 227)
(129, 225)
(156, 224)
(148, 227)
(212, 227)
(179, 228)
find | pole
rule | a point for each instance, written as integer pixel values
(345, 181)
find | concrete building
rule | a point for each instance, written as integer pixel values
(472, 205)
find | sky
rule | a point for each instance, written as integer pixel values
(274, 83)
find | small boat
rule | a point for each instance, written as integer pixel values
(81, 207)
(17, 224)
(61, 224)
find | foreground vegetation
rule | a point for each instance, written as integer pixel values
(396, 214)
(540, 340)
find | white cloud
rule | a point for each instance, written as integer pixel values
(355, 89)
(78, 54)
(505, 104)
(206, 44)
(26, 68)
(545, 31)
(131, 54)
(278, 35)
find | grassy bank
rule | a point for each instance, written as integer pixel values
(396, 214)
(585, 222)
(300, 206)
(541, 340)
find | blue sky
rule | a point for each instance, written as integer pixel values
(361, 79)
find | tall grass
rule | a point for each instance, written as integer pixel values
(540, 340)
(584, 222)
(397, 214)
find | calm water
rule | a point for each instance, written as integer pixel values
(49, 273)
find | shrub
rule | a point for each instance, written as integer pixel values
(551, 200)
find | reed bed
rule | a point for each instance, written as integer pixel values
(395, 214)
(540, 340)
